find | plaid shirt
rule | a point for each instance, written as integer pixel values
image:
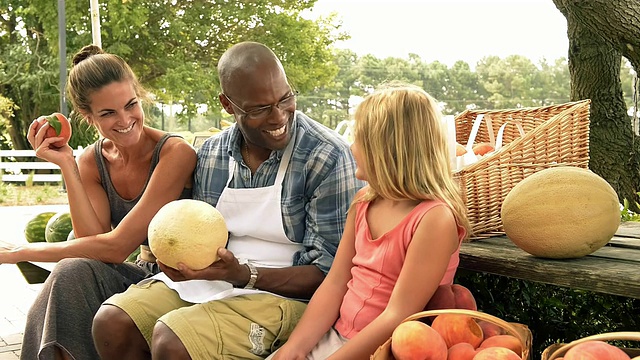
(317, 190)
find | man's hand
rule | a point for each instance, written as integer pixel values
(226, 268)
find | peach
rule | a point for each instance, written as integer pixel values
(482, 148)
(452, 297)
(506, 341)
(416, 340)
(490, 329)
(595, 350)
(457, 328)
(460, 149)
(496, 353)
(461, 351)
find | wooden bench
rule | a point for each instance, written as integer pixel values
(21, 166)
(614, 269)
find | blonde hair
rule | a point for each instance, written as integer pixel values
(400, 133)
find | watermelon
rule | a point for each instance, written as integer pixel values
(35, 228)
(58, 227)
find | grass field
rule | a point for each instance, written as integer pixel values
(21, 195)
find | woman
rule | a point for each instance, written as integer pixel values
(114, 190)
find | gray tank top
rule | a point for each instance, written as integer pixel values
(120, 207)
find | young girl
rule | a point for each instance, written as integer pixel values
(402, 235)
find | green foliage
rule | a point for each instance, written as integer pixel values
(6, 113)
(553, 314)
(82, 134)
(17, 195)
(172, 46)
(5, 191)
(627, 214)
(29, 181)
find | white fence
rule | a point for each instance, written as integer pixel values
(23, 166)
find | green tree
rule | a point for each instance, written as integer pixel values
(463, 90)
(551, 83)
(6, 112)
(173, 46)
(509, 81)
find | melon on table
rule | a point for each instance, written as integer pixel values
(187, 231)
(562, 212)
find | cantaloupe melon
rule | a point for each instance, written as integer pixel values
(187, 231)
(563, 212)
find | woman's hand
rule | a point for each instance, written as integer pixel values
(226, 268)
(7, 251)
(44, 146)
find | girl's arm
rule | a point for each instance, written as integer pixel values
(324, 307)
(428, 255)
(173, 172)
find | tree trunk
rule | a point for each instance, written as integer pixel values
(598, 31)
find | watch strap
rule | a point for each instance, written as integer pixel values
(253, 276)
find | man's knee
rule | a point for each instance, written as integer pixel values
(109, 321)
(165, 342)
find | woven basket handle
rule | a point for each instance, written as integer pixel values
(478, 315)
(501, 132)
(476, 127)
(622, 335)
(470, 157)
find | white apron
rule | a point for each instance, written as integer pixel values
(256, 234)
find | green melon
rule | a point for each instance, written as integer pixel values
(34, 231)
(58, 227)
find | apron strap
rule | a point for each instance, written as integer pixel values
(282, 169)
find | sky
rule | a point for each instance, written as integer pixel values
(451, 30)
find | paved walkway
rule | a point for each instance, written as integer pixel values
(16, 295)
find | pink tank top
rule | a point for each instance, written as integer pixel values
(377, 265)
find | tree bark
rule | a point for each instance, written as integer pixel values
(601, 32)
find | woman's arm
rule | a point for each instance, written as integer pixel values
(88, 202)
(324, 308)
(173, 172)
(428, 255)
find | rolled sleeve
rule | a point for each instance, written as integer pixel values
(331, 193)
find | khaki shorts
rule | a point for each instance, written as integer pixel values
(243, 327)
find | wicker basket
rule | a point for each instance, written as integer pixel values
(558, 350)
(520, 331)
(556, 135)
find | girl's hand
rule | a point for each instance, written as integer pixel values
(288, 353)
(44, 146)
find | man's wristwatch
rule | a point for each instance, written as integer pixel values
(252, 277)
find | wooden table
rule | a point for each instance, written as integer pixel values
(613, 269)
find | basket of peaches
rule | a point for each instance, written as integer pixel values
(452, 328)
(597, 347)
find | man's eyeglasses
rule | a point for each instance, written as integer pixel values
(264, 111)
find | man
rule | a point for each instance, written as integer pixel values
(283, 183)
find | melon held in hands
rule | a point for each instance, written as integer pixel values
(189, 232)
